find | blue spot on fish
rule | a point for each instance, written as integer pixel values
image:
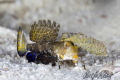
(31, 56)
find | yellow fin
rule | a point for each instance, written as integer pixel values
(21, 43)
(44, 31)
(89, 44)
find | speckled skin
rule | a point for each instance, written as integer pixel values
(60, 49)
(44, 34)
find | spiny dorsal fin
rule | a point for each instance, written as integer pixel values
(89, 44)
(44, 31)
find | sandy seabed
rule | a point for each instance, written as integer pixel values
(96, 18)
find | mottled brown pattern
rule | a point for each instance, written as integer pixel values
(44, 31)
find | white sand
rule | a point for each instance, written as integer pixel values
(99, 19)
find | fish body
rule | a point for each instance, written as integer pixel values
(61, 50)
(46, 49)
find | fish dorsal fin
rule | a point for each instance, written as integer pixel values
(44, 31)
